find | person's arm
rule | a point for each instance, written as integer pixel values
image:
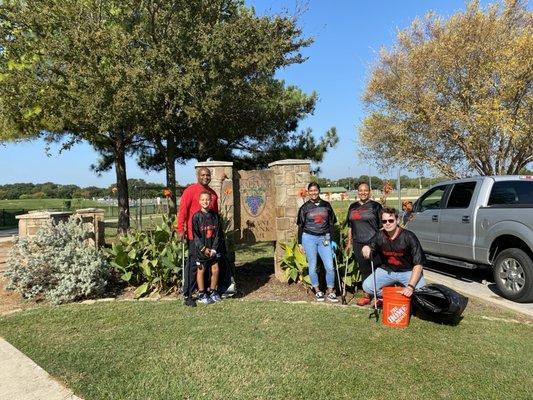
(301, 222)
(419, 259)
(218, 232)
(379, 208)
(348, 222)
(199, 241)
(332, 221)
(373, 246)
(413, 280)
(183, 214)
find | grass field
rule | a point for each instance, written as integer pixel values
(270, 350)
(43, 204)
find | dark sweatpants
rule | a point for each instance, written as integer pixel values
(189, 275)
(364, 264)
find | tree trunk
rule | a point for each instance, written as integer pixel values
(170, 166)
(122, 185)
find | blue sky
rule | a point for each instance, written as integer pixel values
(348, 35)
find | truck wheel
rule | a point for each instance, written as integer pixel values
(513, 274)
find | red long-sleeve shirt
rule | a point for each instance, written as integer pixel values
(190, 204)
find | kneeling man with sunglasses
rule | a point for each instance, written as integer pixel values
(401, 254)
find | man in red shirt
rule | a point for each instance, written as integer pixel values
(189, 205)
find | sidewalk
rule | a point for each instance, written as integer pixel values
(22, 379)
(479, 290)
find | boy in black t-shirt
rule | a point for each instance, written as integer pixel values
(206, 236)
(402, 257)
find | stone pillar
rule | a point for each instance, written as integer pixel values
(93, 222)
(222, 183)
(291, 178)
(30, 223)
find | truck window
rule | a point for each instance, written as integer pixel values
(511, 192)
(431, 200)
(461, 195)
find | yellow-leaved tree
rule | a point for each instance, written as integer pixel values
(455, 95)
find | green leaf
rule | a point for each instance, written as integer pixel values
(141, 290)
(126, 276)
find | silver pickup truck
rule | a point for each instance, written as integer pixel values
(481, 221)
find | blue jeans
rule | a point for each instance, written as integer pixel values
(315, 244)
(386, 278)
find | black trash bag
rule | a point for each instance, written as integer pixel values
(439, 303)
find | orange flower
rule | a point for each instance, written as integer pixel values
(228, 191)
(167, 192)
(302, 193)
(387, 187)
(114, 190)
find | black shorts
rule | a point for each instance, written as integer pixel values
(208, 263)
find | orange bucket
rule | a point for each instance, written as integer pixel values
(396, 307)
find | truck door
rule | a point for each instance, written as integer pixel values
(425, 223)
(456, 221)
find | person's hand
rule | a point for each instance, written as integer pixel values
(180, 236)
(302, 250)
(207, 252)
(366, 251)
(334, 246)
(407, 291)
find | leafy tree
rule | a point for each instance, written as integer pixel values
(229, 106)
(74, 69)
(455, 95)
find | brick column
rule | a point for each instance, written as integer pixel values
(93, 222)
(30, 223)
(291, 178)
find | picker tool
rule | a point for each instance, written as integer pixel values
(375, 312)
(343, 295)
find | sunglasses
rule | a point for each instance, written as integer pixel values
(390, 221)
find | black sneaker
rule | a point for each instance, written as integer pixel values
(189, 302)
(319, 296)
(332, 297)
(204, 298)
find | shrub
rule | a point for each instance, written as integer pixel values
(57, 263)
(296, 269)
(149, 260)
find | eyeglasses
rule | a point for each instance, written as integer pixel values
(390, 221)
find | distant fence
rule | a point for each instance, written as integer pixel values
(148, 209)
(7, 217)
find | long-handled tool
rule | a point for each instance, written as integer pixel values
(343, 295)
(375, 312)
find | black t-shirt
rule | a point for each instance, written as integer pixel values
(206, 232)
(316, 219)
(365, 220)
(400, 254)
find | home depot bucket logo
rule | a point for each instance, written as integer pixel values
(397, 314)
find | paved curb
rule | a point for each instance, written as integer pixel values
(475, 289)
(22, 379)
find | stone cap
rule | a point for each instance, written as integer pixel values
(290, 162)
(214, 164)
(90, 211)
(44, 215)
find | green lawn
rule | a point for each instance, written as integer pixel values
(44, 204)
(270, 350)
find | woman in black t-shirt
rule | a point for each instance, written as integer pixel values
(316, 222)
(364, 222)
